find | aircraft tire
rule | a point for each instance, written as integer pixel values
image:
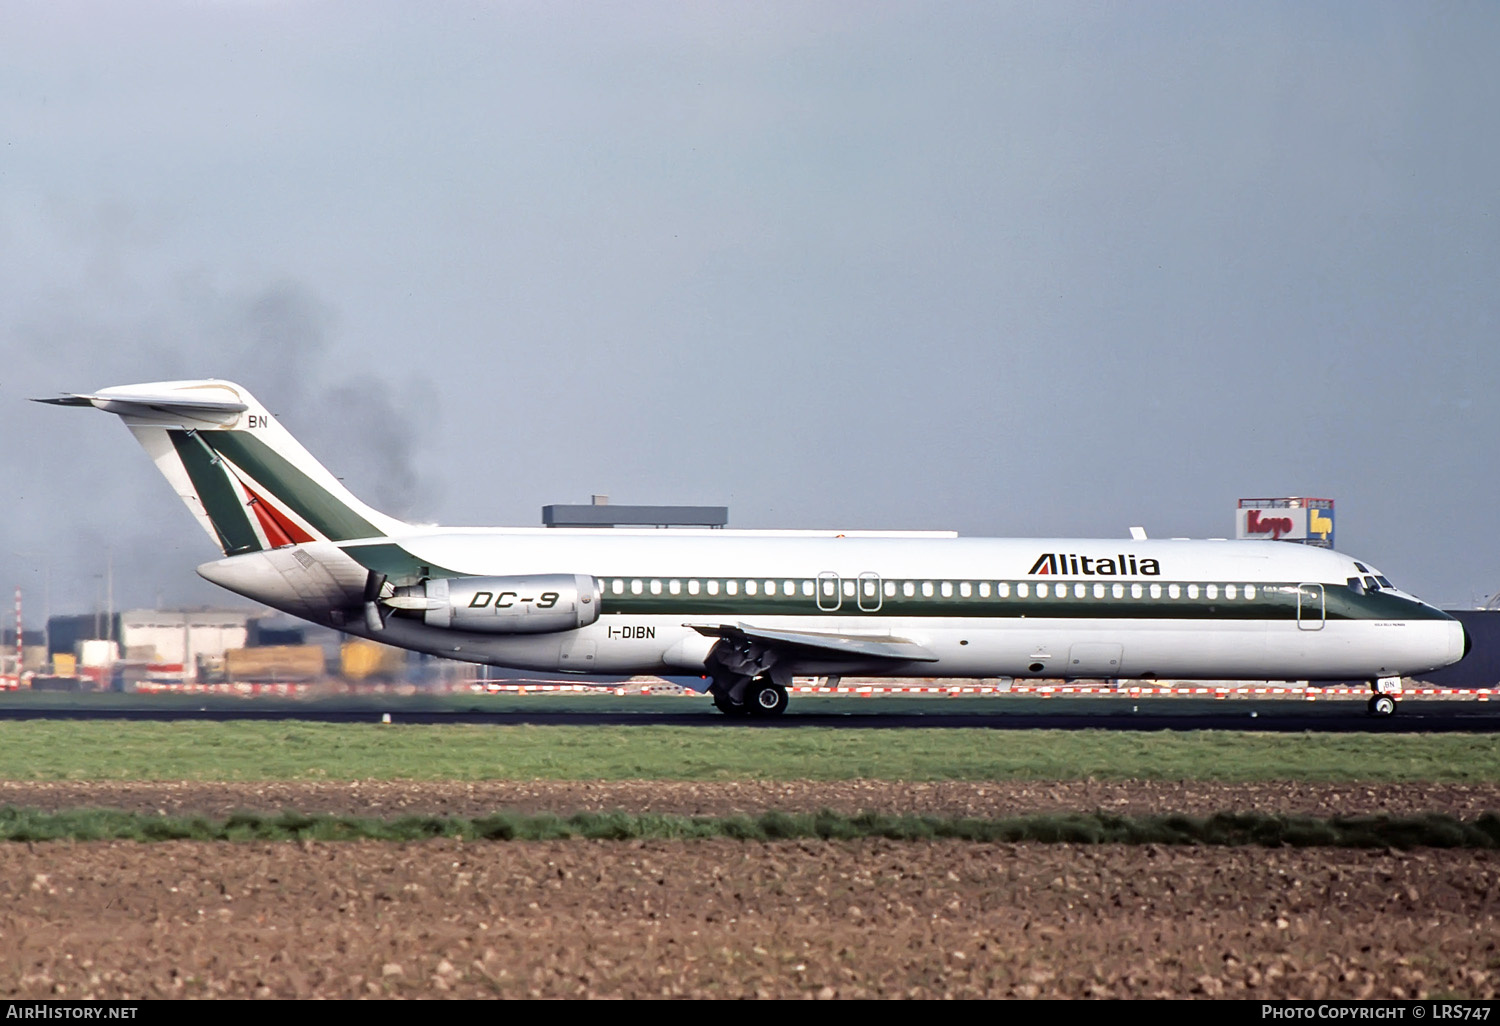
(766, 699)
(728, 708)
(1382, 705)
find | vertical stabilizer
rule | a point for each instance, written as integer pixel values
(250, 484)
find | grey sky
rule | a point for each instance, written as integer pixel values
(1008, 269)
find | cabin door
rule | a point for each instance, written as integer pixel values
(1310, 607)
(830, 593)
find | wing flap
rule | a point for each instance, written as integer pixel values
(852, 645)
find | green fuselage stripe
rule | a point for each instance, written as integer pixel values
(396, 563)
(1271, 602)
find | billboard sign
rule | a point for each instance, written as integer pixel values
(1286, 523)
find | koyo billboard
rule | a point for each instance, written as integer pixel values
(1309, 521)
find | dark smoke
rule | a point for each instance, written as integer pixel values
(90, 495)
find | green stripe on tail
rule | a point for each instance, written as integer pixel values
(328, 515)
(220, 496)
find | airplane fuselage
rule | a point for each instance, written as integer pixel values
(970, 607)
(750, 609)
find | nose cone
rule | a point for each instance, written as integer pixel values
(1456, 644)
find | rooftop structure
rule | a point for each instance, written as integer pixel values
(600, 513)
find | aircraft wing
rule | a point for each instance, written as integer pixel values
(849, 645)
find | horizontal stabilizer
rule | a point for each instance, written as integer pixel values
(204, 403)
(864, 646)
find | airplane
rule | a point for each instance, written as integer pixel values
(751, 610)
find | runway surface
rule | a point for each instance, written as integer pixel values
(1414, 716)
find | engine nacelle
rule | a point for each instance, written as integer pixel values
(537, 604)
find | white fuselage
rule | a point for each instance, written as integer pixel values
(1054, 608)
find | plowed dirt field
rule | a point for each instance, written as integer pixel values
(733, 919)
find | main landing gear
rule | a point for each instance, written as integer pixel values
(1386, 691)
(763, 697)
(742, 684)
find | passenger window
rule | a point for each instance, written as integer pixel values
(947, 589)
(1249, 593)
(1080, 590)
(1041, 590)
(656, 587)
(1211, 591)
(674, 587)
(908, 589)
(713, 587)
(636, 587)
(807, 588)
(1156, 591)
(1022, 589)
(693, 587)
(984, 589)
(1135, 591)
(965, 590)
(1117, 590)
(1173, 591)
(927, 589)
(1192, 591)
(750, 588)
(890, 589)
(731, 587)
(1231, 592)
(618, 587)
(1003, 589)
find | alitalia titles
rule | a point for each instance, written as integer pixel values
(1119, 565)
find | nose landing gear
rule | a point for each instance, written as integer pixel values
(1383, 702)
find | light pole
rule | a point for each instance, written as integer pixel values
(46, 565)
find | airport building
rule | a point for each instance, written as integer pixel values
(142, 649)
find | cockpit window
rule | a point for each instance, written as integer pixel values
(1356, 585)
(1383, 582)
(1372, 584)
(1361, 568)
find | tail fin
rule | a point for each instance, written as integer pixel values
(251, 485)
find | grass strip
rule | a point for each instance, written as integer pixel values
(298, 750)
(1225, 828)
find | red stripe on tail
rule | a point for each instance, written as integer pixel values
(279, 529)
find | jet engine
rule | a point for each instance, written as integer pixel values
(537, 604)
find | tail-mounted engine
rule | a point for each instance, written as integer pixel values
(503, 605)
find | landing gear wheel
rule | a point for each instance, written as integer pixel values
(765, 698)
(728, 708)
(1382, 705)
